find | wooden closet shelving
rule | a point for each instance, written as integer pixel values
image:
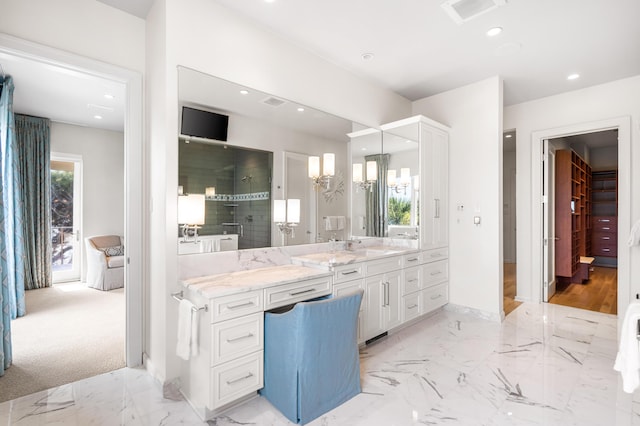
(604, 232)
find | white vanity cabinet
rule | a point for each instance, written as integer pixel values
(229, 365)
(382, 296)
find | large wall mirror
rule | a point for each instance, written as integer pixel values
(385, 175)
(264, 158)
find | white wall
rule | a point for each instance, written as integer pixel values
(207, 37)
(602, 102)
(102, 154)
(84, 27)
(474, 113)
(604, 158)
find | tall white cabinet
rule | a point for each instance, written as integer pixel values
(433, 142)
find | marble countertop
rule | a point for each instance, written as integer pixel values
(253, 279)
(346, 257)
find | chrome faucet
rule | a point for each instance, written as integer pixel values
(351, 242)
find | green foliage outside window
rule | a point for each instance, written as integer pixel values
(399, 211)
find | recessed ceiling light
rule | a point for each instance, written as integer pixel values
(573, 76)
(363, 149)
(244, 92)
(300, 109)
(508, 136)
(97, 117)
(108, 96)
(494, 31)
(367, 56)
(269, 1)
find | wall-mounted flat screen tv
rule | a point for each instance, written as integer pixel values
(204, 124)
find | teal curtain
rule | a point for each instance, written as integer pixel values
(376, 198)
(33, 137)
(7, 293)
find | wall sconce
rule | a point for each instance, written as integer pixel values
(405, 179)
(367, 181)
(210, 192)
(286, 214)
(328, 170)
(190, 215)
(180, 190)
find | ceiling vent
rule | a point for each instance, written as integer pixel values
(274, 102)
(462, 11)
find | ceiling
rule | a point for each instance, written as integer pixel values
(416, 49)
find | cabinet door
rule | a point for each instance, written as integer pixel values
(434, 145)
(373, 305)
(392, 299)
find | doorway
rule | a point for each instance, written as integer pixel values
(66, 217)
(580, 231)
(509, 221)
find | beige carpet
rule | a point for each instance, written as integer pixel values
(70, 332)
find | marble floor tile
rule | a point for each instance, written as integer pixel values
(543, 365)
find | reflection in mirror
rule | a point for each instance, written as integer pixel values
(236, 183)
(402, 184)
(288, 133)
(367, 213)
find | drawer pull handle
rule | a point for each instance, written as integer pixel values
(604, 220)
(436, 254)
(606, 249)
(349, 272)
(606, 238)
(241, 305)
(309, 290)
(412, 307)
(413, 280)
(605, 228)
(436, 273)
(239, 379)
(413, 259)
(436, 296)
(235, 339)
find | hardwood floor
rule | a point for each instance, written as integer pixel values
(599, 294)
(509, 302)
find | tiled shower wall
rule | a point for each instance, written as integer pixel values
(233, 172)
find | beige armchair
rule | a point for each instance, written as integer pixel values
(105, 262)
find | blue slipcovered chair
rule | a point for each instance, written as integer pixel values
(311, 359)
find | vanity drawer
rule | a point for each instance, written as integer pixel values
(236, 379)
(344, 273)
(381, 266)
(236, 305)
(411, 306)
(435, 255)
(413, 259)
(412, 281)
(297, 292)
(435, 297)
(433, 273)
(237, 337)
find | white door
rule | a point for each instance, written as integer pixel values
(548, 222)
(66, 217)
(302, 189)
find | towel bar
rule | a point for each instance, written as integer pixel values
(180, 295)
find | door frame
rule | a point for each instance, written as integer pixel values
(135, 265)
(77, 215)
(548, 225)
(623, 125)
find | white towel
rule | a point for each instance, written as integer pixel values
(634, 236)
(334, 223)
(187, 330)
(628, 358)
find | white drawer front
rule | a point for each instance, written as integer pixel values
(435, 297)
(236, 379)
(237, 337)
(413, 259)
(297, 292)
(436, 272)
(346, 273)
(435, 255)
(236, 305)
(411, 306)
(381, 266)
(412, 280)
